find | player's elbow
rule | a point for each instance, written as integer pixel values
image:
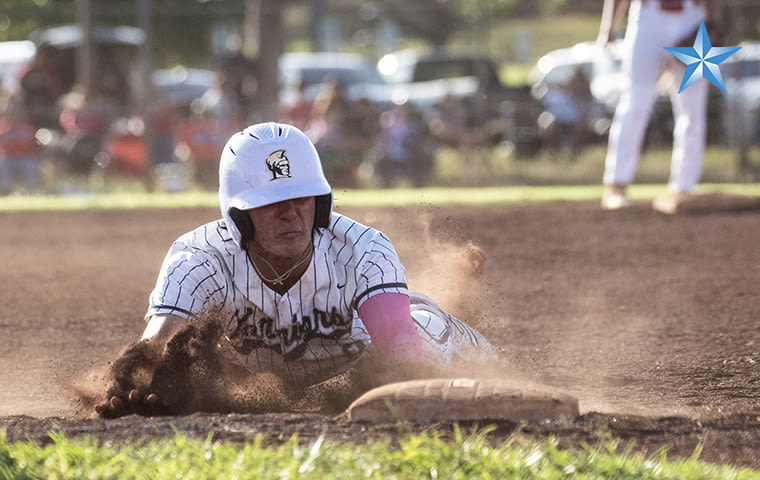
(161, 328)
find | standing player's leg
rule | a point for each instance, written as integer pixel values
(689, 133)
(641, 69)
(689, 111)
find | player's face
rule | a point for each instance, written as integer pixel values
(283, 229)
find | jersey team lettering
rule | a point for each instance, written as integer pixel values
(252, 334)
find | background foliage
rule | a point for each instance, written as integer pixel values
(182, 28)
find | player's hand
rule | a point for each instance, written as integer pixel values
(133, 403)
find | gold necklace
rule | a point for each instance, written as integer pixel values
(280, 278)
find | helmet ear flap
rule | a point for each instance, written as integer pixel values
(243, 223)
(322, 210)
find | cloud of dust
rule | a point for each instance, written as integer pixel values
(449, 273)
(193, 374)
(189, 375)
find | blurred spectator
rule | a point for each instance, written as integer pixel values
(85, 121)
(339, 132)
(112, 81)
(298, 113)
(368, 118)
(406, 147)
(200, 141)
(237, 79)
(165, 118)
(451, 125)
(40, 88)
(224, 106)
(579, 89)
(19, 151)
(124, 146)
(569, 110)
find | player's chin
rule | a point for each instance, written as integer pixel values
(291, 246)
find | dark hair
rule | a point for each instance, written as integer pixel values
(322, 210)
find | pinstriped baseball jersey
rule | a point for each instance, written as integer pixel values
(306, 335)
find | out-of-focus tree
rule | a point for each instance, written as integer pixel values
(529, 8)
(18, 18)
(182, 27)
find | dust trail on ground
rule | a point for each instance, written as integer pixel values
(605, 346)
(452, 273)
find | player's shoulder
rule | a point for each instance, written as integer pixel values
(213, 234)
(345, 229)
(345, 232)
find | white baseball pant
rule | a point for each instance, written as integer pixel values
(649, 31)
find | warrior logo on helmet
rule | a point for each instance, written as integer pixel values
(278, 164)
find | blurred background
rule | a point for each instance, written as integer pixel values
(142, 94)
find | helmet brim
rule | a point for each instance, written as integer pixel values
(277, 191)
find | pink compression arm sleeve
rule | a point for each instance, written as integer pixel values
(390, 324)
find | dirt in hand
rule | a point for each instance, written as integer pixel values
(192, 374)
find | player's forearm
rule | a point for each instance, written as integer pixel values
(391, 327)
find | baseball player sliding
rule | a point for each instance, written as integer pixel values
(303, 292)
(652, 26)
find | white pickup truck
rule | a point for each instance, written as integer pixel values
(426, 77)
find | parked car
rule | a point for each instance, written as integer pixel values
(181, 86)
(78, 124)
(357, 74)
(14, 56)
(556, 71)
(429, 78)
(603, 66)
(116, 49)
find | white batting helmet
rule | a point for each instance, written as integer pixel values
(268, 163)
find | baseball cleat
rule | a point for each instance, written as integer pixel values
(668, 204)
(615, 200)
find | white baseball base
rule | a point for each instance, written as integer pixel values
(461, 399)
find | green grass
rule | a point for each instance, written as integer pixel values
(363, 197)
(500, 166)
(514, 194)
(427, 455)
(120, 200)
(486, 176)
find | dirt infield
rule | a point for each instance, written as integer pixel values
(650, 320)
